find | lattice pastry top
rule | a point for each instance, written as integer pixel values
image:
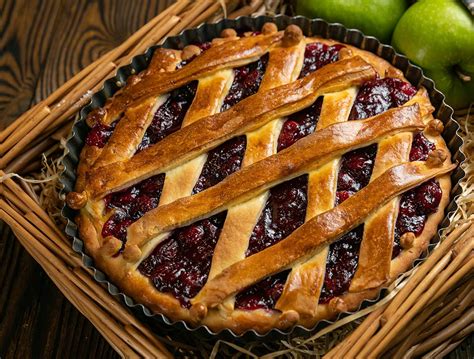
(261, 180)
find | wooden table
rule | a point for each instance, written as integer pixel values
(42, 44)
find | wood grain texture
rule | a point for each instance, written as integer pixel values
(42, 44)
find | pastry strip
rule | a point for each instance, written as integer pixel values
(375, 253)
(283, 67)
(163, 60)
(375, 256)
(211, 91)
(320, 231)
(226, 55)
(248, 115)
(303, 287)
(306, 154)
(129, 132)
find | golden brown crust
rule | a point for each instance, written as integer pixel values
(283, 67)
(76, 200)
(157, 80)
(321, 230)
(303, 286)
(209, 132)
(226, 55)
(210, 94)
(308, 153)
(375, 253)
(129, 132)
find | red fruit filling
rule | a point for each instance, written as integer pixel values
(341, 264)
(185, 275)
(415, 206)
(379, 95)
(263, 294)
(354, 174)
(373, 98)
(169, 116)
(418, 203)
(100, 134)
(247, 80)
(420, 147)
(299, 125)
(284, 211)
(317, 55)
(130, 204)
(221, 162)
(355, 171)
(180, 264)
(227, 158)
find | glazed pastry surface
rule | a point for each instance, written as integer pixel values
(261, 181)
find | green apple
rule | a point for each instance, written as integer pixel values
(438, 35)
(373, 17)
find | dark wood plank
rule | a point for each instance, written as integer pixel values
(92, 29)
(42, 44)
(24, 43)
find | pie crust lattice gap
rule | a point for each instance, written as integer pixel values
(261, 180)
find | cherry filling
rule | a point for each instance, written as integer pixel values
(263, 294)
(355, 171)
(247, 80)
(221, 162)
(169, 116)
(180, 264)
(227, 158)
(130, 204)
(418, 203)
(304, 122)
(299, 125)
(373, 98)
(415, 206)
(379, 95)
(284, 211)
(100, 134)
(354, 174)
(341, 264)
(184, 274)
(317, 55)
(420, 147)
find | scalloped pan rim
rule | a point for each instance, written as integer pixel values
(204, 32)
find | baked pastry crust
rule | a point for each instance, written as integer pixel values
(181, 155)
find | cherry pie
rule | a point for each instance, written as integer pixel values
(261, 180)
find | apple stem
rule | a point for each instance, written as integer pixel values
(462, 75)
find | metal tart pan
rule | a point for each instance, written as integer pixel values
(206, 32)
